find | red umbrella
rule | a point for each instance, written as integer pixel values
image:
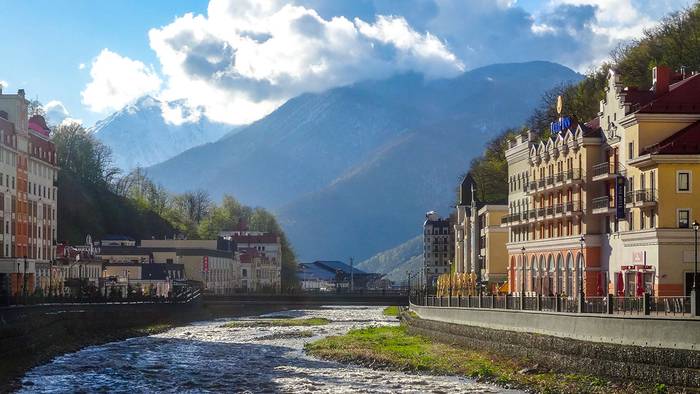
(620, 284)
(640, 284)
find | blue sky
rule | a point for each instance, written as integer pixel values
(234, 61)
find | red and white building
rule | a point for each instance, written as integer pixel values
(28, 197)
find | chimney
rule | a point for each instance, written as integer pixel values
(20, 93)
(661, 78)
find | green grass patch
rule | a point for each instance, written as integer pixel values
(311, 321)
(393, 347)
(391, 311)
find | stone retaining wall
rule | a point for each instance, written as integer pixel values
(675, 367)
(675, 333)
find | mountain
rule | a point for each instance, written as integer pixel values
(351, 171)
(139, 136)
(397, 261)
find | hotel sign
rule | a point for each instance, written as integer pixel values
(620, 197)
(564, 122)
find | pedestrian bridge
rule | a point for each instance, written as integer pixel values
(385, 298)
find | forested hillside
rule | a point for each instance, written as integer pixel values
(675, 42)
(94, 199)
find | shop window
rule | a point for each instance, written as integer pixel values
(683, 181)
(683, 218)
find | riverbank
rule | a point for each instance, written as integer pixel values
(394, 348)
(31, 336)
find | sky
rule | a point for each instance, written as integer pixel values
(234, 61)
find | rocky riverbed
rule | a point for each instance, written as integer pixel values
(211, 357)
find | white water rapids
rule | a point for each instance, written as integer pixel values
(206, 357)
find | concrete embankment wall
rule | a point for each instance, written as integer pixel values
(669, 332)
(556, 342)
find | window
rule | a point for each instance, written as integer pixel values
(683, 181)
(630, 220)
(683, 218)
(652, 219)
(630, 151)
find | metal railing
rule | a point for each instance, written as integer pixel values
(645, 195)
(595, 305)
(644, 306)
(606, 168)
(628, 305)
(602, 202)
(572, 206)
(670, 306)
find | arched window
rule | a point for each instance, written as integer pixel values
(533, 274)
(549, 281)
(569, 289)
(560, 275)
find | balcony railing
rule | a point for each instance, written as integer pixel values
(602, 202)
(572, 207)
(574, 174)
(603, 169)
(515, 217)
(645, 196)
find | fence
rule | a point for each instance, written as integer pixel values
(184, 295)
(645, 305)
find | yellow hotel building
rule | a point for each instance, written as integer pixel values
(612, 197)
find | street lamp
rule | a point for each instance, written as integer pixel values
(580, 267)
(696, 227)
(522, 273)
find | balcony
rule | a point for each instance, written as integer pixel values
(645, 197)
(553, 211)
(602, 204)
(512, 218)
(573, 207)
(557, 180)
(605, 171)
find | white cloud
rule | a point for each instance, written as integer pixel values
(56, 112)
(81, 66)
(116, 81)
(245, 58)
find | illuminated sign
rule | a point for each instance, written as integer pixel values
(562, 124)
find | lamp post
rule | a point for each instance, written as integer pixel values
(580, 267)
(694, 298)
(696, 227)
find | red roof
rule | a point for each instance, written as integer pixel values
(684, 142)
(682, 98)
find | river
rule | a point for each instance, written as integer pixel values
(206, 357)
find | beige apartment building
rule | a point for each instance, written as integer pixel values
(597, 209)
(212, 262)
(493, 254)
